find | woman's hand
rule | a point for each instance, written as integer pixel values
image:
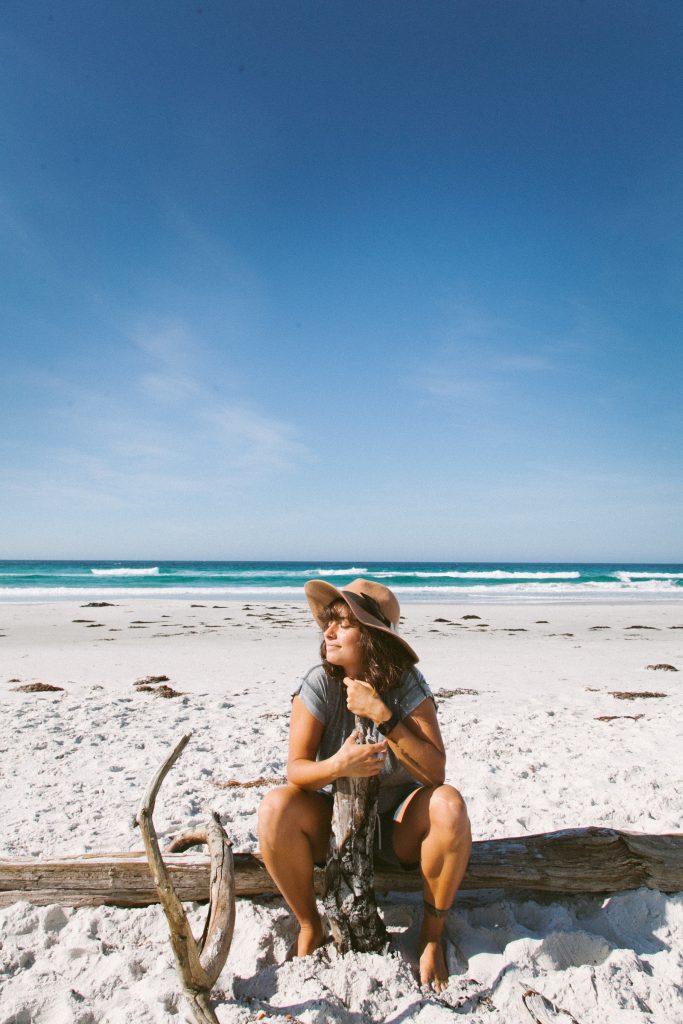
(364, 700)
(359, 760)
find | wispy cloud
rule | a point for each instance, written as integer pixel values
(171, 344)
(214, 252)
(169, 387)
(138, 450)
(485, 357)
(162, 429)
(242, 435)
(22, 242)
(253, 440)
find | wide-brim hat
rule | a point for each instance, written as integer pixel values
(373, 604)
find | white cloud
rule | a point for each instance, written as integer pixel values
(251, 439)
(169, 387)
(170, 344)
(156, 436)
(484, 357)
(22, 241)
(241, 436)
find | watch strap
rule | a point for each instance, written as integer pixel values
(386, 727)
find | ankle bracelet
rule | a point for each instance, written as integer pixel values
(434, 911)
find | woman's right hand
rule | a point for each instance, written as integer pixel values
(359, 760)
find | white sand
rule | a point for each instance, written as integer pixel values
(526, 750)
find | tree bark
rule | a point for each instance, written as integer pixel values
(568, 862)
(349, 891)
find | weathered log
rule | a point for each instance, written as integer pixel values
(349, 892)
(199, 963)
(571, 861)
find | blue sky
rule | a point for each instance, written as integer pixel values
(341, 280)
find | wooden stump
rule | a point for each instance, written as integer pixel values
(349, 890)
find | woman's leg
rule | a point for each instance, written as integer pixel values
(435, 831)
(294, 833)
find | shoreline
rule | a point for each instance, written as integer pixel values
(448, 597)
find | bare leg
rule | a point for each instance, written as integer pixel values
(436, 831)
(294, 833)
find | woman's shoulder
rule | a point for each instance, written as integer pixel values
(316, 676)
(412, 690)
(313, 688)
(413, 677)
(316, 680)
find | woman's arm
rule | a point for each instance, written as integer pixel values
(417, 743)
(352, 760)
(416, 740)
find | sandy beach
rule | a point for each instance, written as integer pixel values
(539, 737)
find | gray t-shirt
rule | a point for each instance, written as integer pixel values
(325, 698)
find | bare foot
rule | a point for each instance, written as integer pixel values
(433, 970)
(310, 938)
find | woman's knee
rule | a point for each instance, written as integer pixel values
(275, 808)
(448, 813)
(288, 810)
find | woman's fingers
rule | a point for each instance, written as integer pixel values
(373, 756)
(363, 759)
(371, 767)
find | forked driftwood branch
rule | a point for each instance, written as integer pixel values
(349, 891)
(199, 963)
(564, 863)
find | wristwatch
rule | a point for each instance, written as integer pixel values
(386, 727)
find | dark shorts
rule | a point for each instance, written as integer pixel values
(384, 833)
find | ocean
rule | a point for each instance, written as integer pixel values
(35, 581)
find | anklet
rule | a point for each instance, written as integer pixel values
(434, 911)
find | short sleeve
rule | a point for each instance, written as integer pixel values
(412, 691)
(312, 690)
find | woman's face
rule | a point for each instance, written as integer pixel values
(342, 644)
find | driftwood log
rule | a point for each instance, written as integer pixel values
(199, 963)
(568, 862)
(349, 891)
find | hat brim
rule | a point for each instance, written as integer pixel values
(320, 595)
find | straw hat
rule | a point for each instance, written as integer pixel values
(371, 603)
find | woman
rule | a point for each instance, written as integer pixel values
(367, 670)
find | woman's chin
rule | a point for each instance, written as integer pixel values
(333, 658)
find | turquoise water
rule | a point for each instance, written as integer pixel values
(412, 581)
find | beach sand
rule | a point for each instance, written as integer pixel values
(536, 741)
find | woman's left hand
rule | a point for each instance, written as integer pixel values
(363, 699)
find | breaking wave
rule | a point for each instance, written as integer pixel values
(628, 576)
(476, 574)
(153, 571)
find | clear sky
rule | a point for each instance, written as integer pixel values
(339, 279)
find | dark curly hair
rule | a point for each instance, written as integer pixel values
(385, 660)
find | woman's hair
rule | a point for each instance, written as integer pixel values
(385, 661)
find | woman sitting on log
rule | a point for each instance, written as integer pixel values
(369, 671)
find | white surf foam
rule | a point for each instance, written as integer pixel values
(477, 574)
(152, 571)
(627, 576)
(336, 572)
(246, 574)
(665, 589)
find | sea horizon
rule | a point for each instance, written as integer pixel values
(35, 580)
